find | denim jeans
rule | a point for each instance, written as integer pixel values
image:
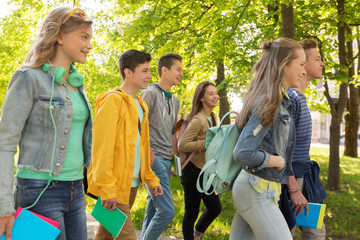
(159, 210)
(256, 216)
(63, 202)
(192, 204)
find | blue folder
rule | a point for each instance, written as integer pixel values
(315, 217)
(30, 227)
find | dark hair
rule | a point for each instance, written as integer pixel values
(198, 95)
(167, 60)
(308, 43)
(131, 59)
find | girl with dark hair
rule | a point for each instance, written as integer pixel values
(193, 140)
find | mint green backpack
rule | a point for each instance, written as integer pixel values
(220, 169)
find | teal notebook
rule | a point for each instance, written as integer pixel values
(30, 227)
(315, 217)
(113, 221)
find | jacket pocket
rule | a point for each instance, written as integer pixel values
(57, 108)
(284, 127)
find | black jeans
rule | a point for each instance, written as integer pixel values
(192, 204)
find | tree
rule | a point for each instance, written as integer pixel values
(337, 108)
(352, 115)
(217, 39)
(224, 103)
(287, 17)
(328, 25)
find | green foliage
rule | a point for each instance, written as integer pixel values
(202, 32)
(16, 33)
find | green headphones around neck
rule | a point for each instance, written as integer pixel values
(75, 79)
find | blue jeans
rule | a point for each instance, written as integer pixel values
(159, 210)
(257, 216)
(63, 202)
(192, 204)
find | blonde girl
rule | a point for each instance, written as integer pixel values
(47, 114)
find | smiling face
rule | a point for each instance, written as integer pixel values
(313, 65)
(140, 77)
(295, 70)
(174, 74)
(75, 45)
(211, 97)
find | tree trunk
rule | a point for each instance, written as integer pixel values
(334, 161)
(272, 8)
(287, 17)
(358, 63)
(352, 123)
(352, 117)
(224, 103)
(338, 108)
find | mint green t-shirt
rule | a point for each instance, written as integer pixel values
(136, 176)
(74, 160)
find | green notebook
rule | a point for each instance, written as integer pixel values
(113, 221)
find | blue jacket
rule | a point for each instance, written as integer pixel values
(26, 122)
(256, 143)
(313, 190)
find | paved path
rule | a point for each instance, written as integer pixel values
(92, 226)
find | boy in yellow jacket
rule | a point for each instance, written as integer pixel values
(121, 146)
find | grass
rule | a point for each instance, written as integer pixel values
(342, 218)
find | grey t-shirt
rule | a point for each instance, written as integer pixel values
(162, 119)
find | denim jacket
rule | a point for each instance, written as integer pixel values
(256, 143)
(26, 122)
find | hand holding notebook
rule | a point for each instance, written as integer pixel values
(32, 226)
(113, 221)
(315, 217)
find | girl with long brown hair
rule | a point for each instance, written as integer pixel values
(200, 119)
(266, 143)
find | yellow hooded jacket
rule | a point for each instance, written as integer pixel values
(113, 153)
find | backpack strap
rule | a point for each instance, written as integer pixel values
(207, 181)
(179, 129)
(187, 160)
(227, 114)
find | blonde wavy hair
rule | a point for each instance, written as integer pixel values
(46, 41)
(267, 81)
